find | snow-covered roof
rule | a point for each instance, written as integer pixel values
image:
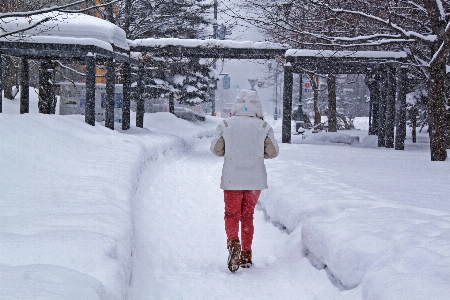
(191, 43)
(67, 28)
(350, 54)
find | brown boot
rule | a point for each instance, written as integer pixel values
(246, 259)
(234, 250)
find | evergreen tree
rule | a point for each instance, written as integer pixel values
(188, 80)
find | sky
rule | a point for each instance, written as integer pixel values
(241, 70)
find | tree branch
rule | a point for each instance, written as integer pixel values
(407, 34)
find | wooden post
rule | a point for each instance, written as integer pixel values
(89, 110)
(332, 119)
(400, 134)
(46, 91)
(376, 104)
(110, 91)
(390, 108)
(24, 87)
(373, 109)
(372, 84)
(140, 109)
(287, 103)
(126, 73)
(382, 108)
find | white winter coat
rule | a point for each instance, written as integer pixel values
(244, 140)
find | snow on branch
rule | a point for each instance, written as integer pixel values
(352, 54)
(37, 23)
(39, 11)
(53, 9)
(405, 33)
(441, 10)
(89, 8)
(443, 48)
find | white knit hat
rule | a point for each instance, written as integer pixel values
(247, 104)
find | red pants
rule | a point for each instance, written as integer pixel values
(240, 206)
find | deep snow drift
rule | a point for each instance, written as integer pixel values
(76, 200)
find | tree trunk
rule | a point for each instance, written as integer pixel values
(332, 120)
(127, 17)
(436, 111)
(315, 87)
(436, 82)
(448, 128)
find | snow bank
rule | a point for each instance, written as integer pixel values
(372, 217)
(330, 137)
(380, 241)
(369, 141)
(361, 123)
(66, 214)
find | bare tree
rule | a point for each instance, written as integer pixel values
(421, 28)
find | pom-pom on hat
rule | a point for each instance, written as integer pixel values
(247, 104)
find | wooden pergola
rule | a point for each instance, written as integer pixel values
(385, 67)
(108, 54)
(91, 54)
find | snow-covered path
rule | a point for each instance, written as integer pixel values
(180, 250)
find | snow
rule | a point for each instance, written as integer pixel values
(191, 43)
(67, 28)
(91, 213)
(331, 53)
(330, 137)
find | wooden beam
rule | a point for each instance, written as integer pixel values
(383, 82)
(400, 134)
(126, 90)
(24, 87)
(110, 91)
(140, 110)
(390, 108)
(89, 110)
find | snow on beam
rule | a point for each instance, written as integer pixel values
(58, 40)
(344, 54)
(193, 43)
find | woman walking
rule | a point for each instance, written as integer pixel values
(244, 140)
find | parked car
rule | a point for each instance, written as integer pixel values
(188, 114)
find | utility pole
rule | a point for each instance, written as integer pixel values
(213, 100)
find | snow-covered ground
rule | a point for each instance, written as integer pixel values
(90, 213)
